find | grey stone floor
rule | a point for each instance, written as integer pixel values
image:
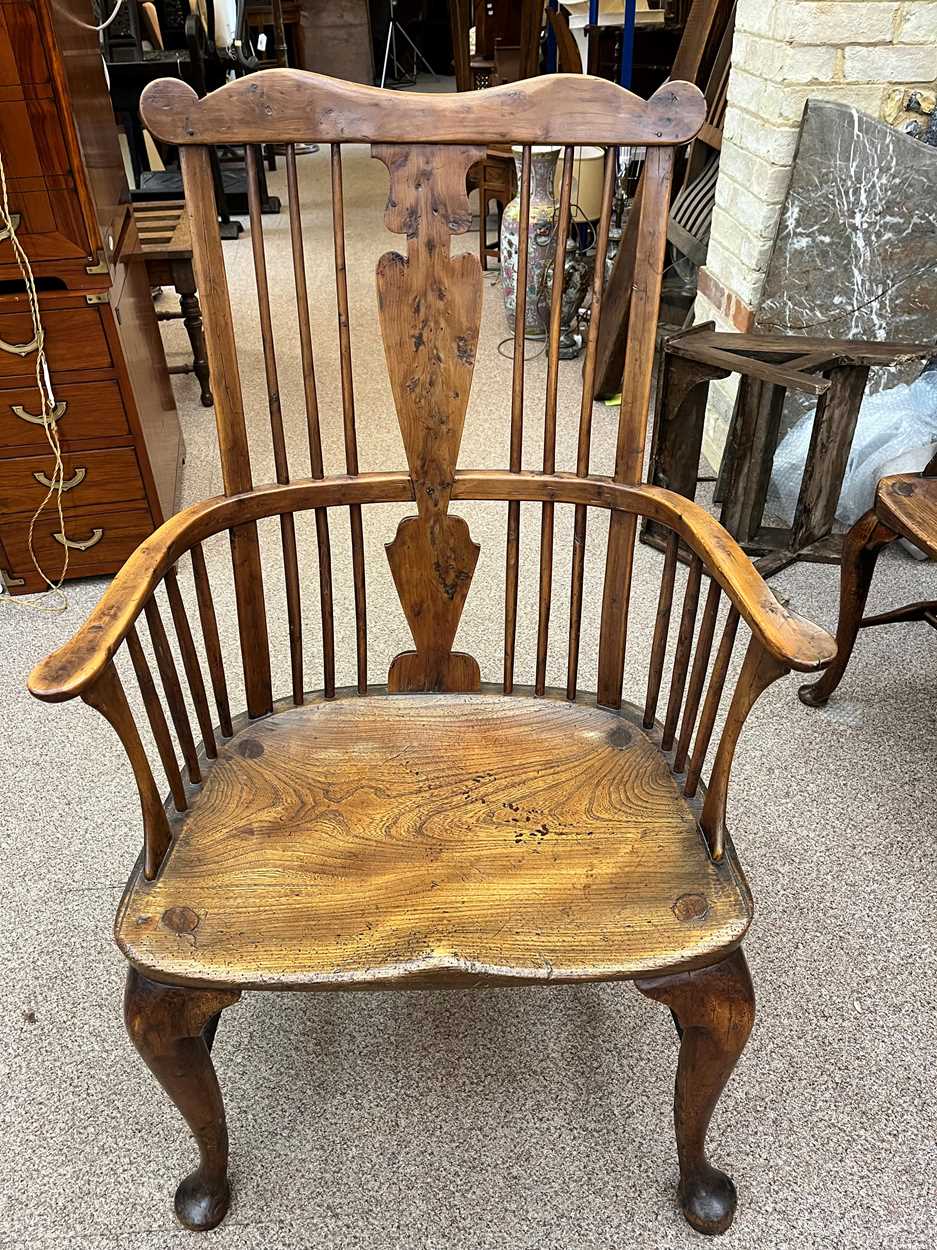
(514, 1118)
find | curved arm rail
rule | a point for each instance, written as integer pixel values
(67, 672)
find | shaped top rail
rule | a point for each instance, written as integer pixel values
(293, 105)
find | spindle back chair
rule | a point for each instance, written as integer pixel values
(439, 831)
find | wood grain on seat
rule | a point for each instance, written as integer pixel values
(435, 839)
(908, 503)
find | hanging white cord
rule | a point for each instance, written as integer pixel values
(87, 25)
(44, 384)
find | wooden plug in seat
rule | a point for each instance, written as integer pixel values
(443, 838)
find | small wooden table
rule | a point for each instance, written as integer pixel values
(834, 371)
(166, 246)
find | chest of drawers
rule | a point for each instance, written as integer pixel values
(114, 413)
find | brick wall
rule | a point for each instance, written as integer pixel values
(867, 53)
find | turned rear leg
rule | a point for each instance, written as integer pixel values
(714, 1009)
(861, 549)
(172, 1028)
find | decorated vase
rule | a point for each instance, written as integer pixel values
(541, 240)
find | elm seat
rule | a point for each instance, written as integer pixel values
(399, 838)
(908, 503)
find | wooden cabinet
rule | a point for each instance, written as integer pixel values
(115, 413)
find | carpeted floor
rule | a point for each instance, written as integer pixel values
(515, 1118)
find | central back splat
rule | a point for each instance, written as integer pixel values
(430, 312)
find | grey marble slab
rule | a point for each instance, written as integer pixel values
(856, 250)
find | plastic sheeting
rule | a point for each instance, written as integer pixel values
(896, 432)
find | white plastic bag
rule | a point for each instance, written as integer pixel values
(891, 424)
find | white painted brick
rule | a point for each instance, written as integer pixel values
(745, 90)
(802, 64)
(918, 24)
(703, 310)
(755, 253)
(718, 416)
(785, 104)
(756, 17)
(834, 22)
(768, 181)
(762, 57)
(730, 271)
(723, 225)
(774, 144)
(891, 64)
(744, 205)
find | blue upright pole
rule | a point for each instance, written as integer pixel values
(551, 41)
(627, 44)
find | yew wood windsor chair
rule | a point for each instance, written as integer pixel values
(436, 831)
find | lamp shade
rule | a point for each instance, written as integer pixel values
(588, 168)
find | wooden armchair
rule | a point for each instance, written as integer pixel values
(436, 831)
(905, 506)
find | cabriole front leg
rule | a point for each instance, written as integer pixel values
(168, 1024)
(714, 1009)
(861, 549)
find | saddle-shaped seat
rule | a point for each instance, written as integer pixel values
(402, 839)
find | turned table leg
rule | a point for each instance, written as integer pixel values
(167, 1024)
(861, 550)
(714, 1009)
(184, 282)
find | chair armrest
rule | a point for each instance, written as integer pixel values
(70, 670)
(791, 639)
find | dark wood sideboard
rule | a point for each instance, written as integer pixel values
(117, 421)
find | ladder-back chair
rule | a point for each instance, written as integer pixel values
(434, 831)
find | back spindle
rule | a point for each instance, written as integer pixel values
(312, 422)
(714, 690)
(661, 630)
(549, 422)
(348, 414)
(190, 664)
(517, 424)
(681, 656)
(287, 523)
(209, 624)
(585, 426)
(157, 719)
(172, 689)
(701, 656)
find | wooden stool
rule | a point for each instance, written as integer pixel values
(166, 246)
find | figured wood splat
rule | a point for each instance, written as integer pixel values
(430, 311)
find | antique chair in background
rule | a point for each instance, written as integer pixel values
(905, 507)
(436, 831)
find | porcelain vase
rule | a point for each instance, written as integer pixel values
(541, 241)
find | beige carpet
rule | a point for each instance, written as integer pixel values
(522, 1119)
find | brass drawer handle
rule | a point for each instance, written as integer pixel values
(56, 414)
(19, 349)
(5, 232)
(80, 544)
(76, 479)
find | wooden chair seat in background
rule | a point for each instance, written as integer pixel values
(905, 506)
(393, 845)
